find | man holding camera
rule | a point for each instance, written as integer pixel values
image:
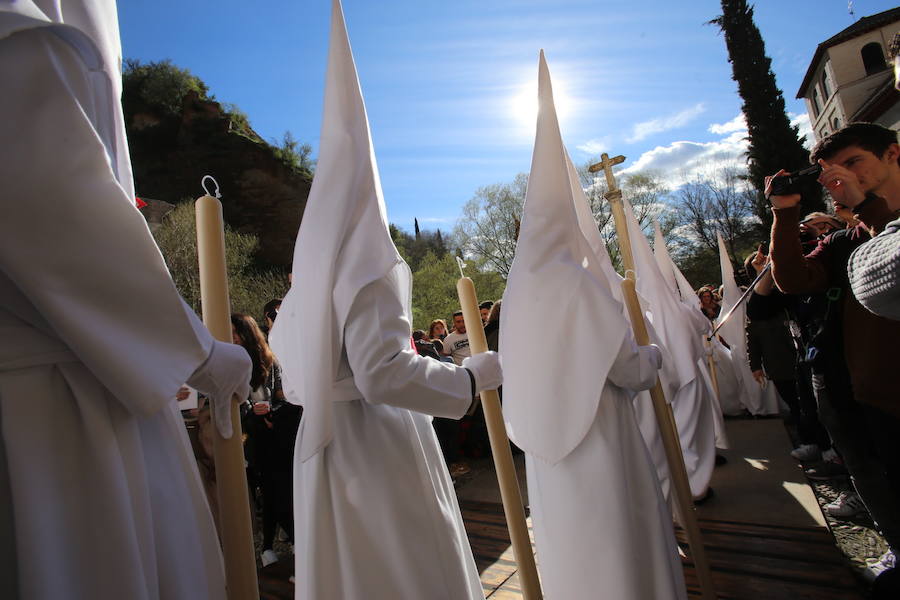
(857, 396)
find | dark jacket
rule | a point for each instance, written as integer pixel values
(869, 342)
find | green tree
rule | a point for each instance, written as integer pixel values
(434, 287)
(489, 225)
(774, 142)
(414, 248)
(249, 287)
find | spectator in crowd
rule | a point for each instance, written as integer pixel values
(485, 308)
(874, 267)
(270, 311)
(774, 344)
(492, 326)
(271, 424)
(456, 345)
(708, 303)
(424, 347)
(437, 330)
(450, 431)
(860, 170)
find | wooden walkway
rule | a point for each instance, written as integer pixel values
(749, 561)
(763, 531)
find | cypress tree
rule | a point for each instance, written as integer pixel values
(774, 143)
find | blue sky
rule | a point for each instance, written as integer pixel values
(450, 86)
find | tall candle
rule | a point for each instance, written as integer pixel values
(510, 493)
(235, 532)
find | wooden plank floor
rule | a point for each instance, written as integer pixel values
(749, 561)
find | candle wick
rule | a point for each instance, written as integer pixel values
(462, 266)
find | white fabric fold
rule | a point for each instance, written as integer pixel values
(342, 246)
(698, 323)
(691, 403)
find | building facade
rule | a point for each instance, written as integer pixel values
(850, 77)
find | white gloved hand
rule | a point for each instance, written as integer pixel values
(225, 373)
(652, 354)
(487, 370)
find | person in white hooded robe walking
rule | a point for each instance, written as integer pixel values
(376, 516)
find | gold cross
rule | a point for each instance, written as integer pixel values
(606, 164)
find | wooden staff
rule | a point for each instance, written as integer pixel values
(665, 419)
(711, 359)
(231, 481)
(503, 462)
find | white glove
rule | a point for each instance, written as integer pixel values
(652, 354)
(486, 369)
(225, 373)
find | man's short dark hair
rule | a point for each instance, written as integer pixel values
(417, 335)
(868, 136)
(457, 314)
(486, 304)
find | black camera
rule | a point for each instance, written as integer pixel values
(784, 185)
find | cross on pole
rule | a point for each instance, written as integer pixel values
(606, 164)
(614, 195)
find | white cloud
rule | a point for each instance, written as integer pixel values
(436, 220)
(595, 146)
(805, 127)
(682, 161)
(739, 123)
(647, 128)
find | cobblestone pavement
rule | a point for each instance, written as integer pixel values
(856, 537)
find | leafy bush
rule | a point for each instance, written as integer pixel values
(161, 85)
(295, 155)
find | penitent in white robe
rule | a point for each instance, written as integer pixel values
(376, 516)
(601, 526)
(99, 493)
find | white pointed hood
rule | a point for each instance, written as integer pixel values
(92, 29)
(663, 260)
(752, 397)
(557, 292)
(665, 310)
(682, 287)
(679, 283)
(733, 330)
(342, 246)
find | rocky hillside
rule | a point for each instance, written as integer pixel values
(177, 134)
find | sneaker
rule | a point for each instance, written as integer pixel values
(268, 557)
(826, 470)
(847, 505)
(877, 566)
(807, 453)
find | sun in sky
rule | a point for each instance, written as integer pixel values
(523, 104)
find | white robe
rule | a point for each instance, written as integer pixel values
(601, 526)
(376, 515)
(730, 388)
(100, 496)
